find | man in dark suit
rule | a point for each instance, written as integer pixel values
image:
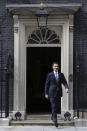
(53, 89)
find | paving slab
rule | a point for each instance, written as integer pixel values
(42, 128)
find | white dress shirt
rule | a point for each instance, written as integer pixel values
(56, 75)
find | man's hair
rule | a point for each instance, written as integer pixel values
(55, 63)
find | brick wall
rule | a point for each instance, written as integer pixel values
(80, 56)
(6, 49)
(80, 45)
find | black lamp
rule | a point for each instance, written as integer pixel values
(42, 16)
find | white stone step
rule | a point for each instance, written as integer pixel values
(41, 119)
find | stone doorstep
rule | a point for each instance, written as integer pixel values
(34, 121)
(41, 123)
(40, 119)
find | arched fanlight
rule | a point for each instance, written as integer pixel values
(42, 16)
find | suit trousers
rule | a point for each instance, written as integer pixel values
(54, 108)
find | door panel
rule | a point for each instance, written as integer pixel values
(39, 61)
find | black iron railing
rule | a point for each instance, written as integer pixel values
(5, 73)
(77, 82)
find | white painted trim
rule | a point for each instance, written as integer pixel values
(20, 60)
(43, 45)
(19, 67)
(22, 68)
(65, 64)
(68, 5)
(16, 63)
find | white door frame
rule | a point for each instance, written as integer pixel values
(20, 60)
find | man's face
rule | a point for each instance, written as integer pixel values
(55, 67)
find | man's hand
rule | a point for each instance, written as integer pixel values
(67, 90)
(46, 96)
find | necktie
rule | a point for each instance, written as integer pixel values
(56, 75)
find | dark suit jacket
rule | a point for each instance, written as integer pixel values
(54, 88)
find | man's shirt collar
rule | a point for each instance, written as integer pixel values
(55, 72)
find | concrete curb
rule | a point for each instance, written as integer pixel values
(4, 121)
(80, 122)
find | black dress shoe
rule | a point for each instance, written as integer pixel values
(56, 124)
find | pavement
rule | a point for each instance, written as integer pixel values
(42, 128)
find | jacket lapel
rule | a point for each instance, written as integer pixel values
(55, 78)
(53, 75)
(58, 77)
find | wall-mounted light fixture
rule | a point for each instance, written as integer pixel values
(42, 16)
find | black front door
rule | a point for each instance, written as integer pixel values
(39, 63)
